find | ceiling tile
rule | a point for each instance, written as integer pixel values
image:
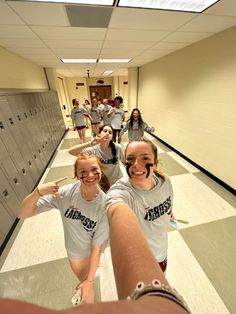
(186, 37)
(149, 19)
(206, 23)
(21, 43)
(7, 16)
(14, 31)
(226, 8)
(75, 33)
(135, 35)
(112, 44)
(41, 13)
(73, 43)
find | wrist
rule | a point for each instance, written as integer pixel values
(38, 192)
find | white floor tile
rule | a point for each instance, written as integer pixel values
(187, 277)
(63, 158)
(196, 202)
(40, 239)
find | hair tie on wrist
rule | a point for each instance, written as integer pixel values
(37, 190)
(156, 288)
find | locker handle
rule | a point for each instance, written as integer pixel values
(25, 115)
(19, 118)
(15, 180)
(23, 171)
(11, 121)
(30, 163)
(2, 126)
(5, 193)
(35, 157)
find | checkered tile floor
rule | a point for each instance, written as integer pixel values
(201, 256)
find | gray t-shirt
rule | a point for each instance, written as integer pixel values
(112, 171)
(78, 116)
(95, 113)
(135, 132)
(105, 111)
(152, 209)
(85, 223)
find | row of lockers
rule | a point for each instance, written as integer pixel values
(31, 127)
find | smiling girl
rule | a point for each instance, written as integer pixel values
(82, 210)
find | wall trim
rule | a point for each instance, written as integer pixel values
(209, 174)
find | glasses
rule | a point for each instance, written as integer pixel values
(107, 131)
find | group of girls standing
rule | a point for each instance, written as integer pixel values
(102, 187)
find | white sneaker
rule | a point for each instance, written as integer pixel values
(76, 299)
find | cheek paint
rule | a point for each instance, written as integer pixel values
(148, 166)
(127, 166)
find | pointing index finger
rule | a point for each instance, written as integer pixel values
(60, 180)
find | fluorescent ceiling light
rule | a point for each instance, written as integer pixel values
(79, 60)
(113, 60)
(92, 2)
(175, 5)
(107, 72)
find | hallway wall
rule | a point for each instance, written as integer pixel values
(190, 96)
(19, 73)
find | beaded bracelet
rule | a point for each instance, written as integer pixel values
(156, 288)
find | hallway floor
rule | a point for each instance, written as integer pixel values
(201, 255)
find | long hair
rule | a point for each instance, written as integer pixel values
(111, 144)
(155, 154)
(131, 119)
(104, 182)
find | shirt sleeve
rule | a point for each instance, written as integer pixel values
(102, 231)
(117, 196)
(125, 128)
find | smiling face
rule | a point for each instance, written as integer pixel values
(140, 162)
(135, 115)
(88, 171)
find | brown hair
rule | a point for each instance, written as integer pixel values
(155, 153)
(104, 182)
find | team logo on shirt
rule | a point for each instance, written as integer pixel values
(74, 213)
(158, 211)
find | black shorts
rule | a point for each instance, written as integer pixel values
(93, 123)
(80, 127)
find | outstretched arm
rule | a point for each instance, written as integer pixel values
(28, 206)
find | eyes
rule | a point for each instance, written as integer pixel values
(107, 131)
(142, 159)
(84, 173)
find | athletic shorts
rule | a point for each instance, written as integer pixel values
(93, 123)
(81, 127)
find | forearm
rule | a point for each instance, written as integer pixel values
(75, 150)
(28, 207)
(126, 236)
(94, 261)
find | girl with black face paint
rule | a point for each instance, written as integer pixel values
(83, 215)
(148, 193)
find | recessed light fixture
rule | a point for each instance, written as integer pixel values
(89, 2)
(79, 60)
(113, 60)
(197, 6)
(107, 72)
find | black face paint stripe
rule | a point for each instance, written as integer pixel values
(148, 166)
(127, 166)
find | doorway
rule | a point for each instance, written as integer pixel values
(100, 92)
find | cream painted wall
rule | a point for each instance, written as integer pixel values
(19, 73)
(133, 86)
(190, 97)
(75, 91)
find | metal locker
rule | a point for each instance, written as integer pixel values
(8, 195)
(30, 161)
(5, 223)
(14, 178)
(6, 135)
(23, 170)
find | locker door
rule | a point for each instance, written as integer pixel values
(8, 195)
(6, 135)
(23, 170)
(14, 178)
(6, 223)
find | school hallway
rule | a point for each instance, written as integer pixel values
(201, 255)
